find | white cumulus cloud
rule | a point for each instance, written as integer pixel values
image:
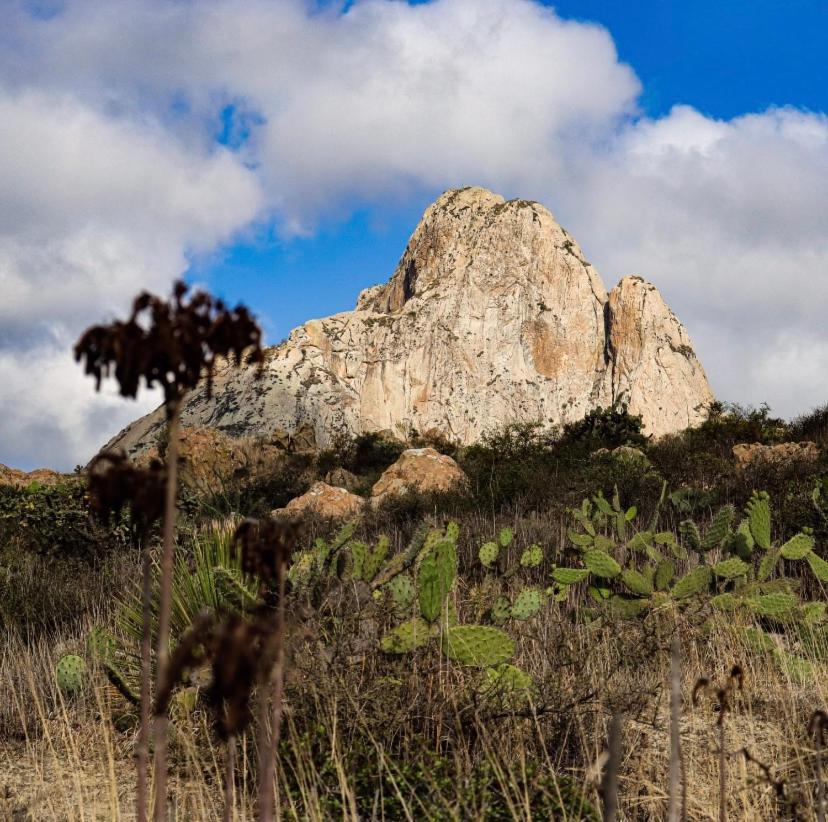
(110, 175)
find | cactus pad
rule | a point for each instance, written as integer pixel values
(664, 575)
(819, 566)
(505, 538)
(731, 568)
(501, 610)
(506, 680)
(636, 582)
(719, 528)
(725, 602)
(532, 557)
(570, 576)
(406, 637)
(527, 604)
(759, 519)
(690, 533)
(692, 583)
(403, 592)
(601, 564)
(435, 578)
(628, 607)
(779, 605)
(797, 547)
(71, 673)
(488, 554)
(478, 645)
(373, 559)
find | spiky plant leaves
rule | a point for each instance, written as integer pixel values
(616, 500)
(628, 607)
(452, 531)
(435, 578)
(664, 575)
(570, 576)
(692, 583)
(501, 610)
(488, 554)
(719, 528)
(234, 589)
(480, 646)
(797, 547)
(759, 518)
(779, 606)
(407, 637)
(527, 604)
(601, 564)
(664, 538)
(731, 568)
(631, 513)
(71, 674)
(818, 565)
(758, 641)
(603, 543)
(581, 540)
(532, 557)
(636, 582)
(506, 680)
(690, 534)
(654, 555)
(505, 538)
(725, 602)
(767, 565)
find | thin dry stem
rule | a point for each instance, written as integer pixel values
(142, 793)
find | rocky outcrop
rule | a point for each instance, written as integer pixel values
(748, 455)
(492, 316)
(323, 500)
(23, 479)
(424, 470)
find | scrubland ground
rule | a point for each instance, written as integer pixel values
(372, 735)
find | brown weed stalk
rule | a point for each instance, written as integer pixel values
(173, 343)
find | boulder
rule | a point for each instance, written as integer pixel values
(752, 454)
(418, 469)
(323, 500)
(342, 478)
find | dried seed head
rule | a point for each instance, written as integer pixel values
(265, 547)
(116, 483)
(173, 343)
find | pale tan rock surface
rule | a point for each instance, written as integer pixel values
(325, 501)
(492, 316)
(751, 454)
(418, 469)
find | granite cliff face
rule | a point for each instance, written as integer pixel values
(492, 316)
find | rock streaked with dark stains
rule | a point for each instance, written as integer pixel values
(492, 316)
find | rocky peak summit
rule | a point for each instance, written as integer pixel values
(492, 316)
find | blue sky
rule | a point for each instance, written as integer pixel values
(283, 151)
(722, 58)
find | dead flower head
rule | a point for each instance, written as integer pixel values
(171, 343)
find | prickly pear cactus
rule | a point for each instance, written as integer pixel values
(527, 604)
(532, 556)
(488, 554)
(435, 578)
(507, 682)
(501, 610)
(403, 593)
(71, 674)
(759, 519)
(406, 637)
(480, 646)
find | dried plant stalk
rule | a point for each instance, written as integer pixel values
(676, 809)
(229, 778)
(142, 793)
(609, 782)
(165, 608)
(271, 722)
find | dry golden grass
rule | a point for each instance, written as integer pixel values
(73, 760)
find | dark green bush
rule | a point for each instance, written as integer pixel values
(606, 428)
